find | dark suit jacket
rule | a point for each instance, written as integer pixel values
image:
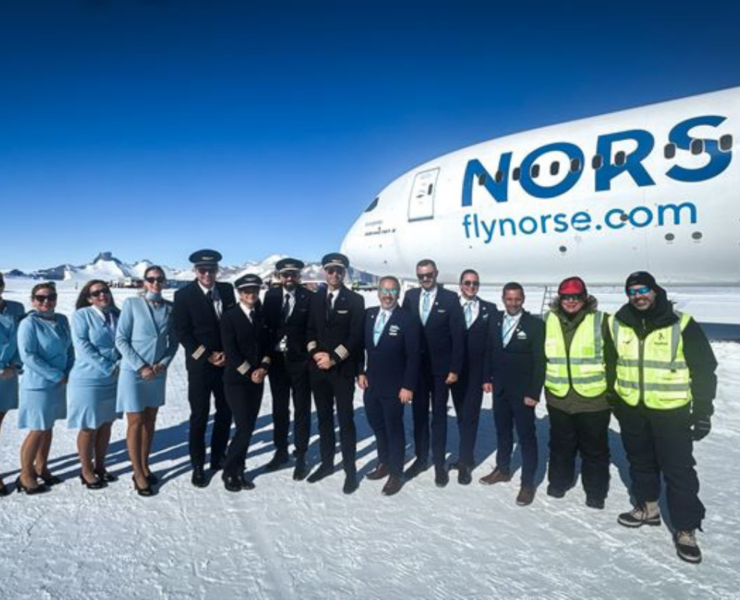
(443, 339)
(394, 363)
(246, 344)
(476, 341)
(294, 329)
(517, 370)
(341, 335)
(196, 324)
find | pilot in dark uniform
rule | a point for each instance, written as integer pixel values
(286, 311)
(197, 312)
(393, 353)
(335, 345)
(443, 343)
(467, 393)
(246, 342)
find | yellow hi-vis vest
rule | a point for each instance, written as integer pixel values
(652, 370)
(581, 366)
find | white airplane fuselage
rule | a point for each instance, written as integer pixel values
(654, 188)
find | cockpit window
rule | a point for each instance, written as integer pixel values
(373, 204)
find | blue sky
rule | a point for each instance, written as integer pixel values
(152, 128)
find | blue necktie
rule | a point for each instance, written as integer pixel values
(508, 329)
(425, 307)
(379, 326)
(468, 314)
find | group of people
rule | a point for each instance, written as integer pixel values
(649, 364)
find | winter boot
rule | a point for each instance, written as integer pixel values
(643, 514)
(686, 546)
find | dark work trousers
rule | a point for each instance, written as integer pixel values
(432, 391)
(201, 384)
(509, 413)
(330, 387)
(587, 433)
(385, 415)
(659, 441)
(288, 376)
(245, 400)
(467, 396)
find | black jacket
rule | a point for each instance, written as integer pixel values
(245, 342)
(294, 329)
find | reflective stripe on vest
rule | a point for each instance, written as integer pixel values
(582, 365)
(653, 370)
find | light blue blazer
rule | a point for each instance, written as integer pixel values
(46, 351)
(141, 339)
(95, 347)
(9, 334)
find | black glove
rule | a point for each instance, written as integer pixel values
(701, 428)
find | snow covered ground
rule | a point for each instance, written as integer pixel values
(291, 539)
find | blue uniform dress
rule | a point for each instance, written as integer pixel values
(94, 378)
(45, 346)
(10, 315)
(144, 337)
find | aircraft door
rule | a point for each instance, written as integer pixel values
(421, 200)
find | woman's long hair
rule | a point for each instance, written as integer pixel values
(83, 298)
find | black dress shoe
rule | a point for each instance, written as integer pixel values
(301, 470)
(350, 483)
(152, 479)
(393, 485)
(233, 483)
(323, 471)
(49, 479)
(464, 476)
(441, 476)
(199, 478)
(418, 466)
(39, 489)
(381, 471)
(280, 458)
(143, 491)
(97, 484)
(247, 483)
(107, 477)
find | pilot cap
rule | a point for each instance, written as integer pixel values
(205, 258)
(335, 259)
(641, 278)
(248, 281)
(572, 286)
(289, 264)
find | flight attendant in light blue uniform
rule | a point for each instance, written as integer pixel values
(45, 346)
(147, 343)
(94, 379)
(10, 361)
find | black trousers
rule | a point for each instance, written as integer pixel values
(584, 433)
(201, 384)
(330, 388)
(288, 376)
(244, 400)
(659, 441)
(467, 397)
(385, 415)
(432, 392)
(509, 412)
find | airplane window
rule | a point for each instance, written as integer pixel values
(516, 174)
(563, 249)
(725, 142)
(597, 162)
(697, 235)
(499, 177)
(482, 179)
(620, 158)
(670, 237)
(669, 151)
(697, 147)
(373, 204)
(554, 168)
(575, 165)
(535, 171)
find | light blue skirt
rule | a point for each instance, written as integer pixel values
(38, 409)
(8, 394)
(90, 404)
(135, 394)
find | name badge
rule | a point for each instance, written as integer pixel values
(521, 335)
(342, 312)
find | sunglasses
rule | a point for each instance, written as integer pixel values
(207, 270)
(334, 270)
(641, 291)
(98, 293)
(159, 279)
(423, 276)
(390, 292)
(289, 274)
(571, 298)
(471, 283)
(41, 298)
